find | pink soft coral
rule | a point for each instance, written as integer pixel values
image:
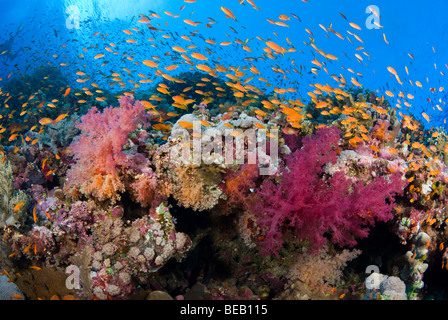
(98, 151)
(316, 206)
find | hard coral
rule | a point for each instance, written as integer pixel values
(316, 206)
(123, 254)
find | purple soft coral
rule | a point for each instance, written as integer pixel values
(316, 205)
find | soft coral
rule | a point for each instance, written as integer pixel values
(98, 151)
(316, 205)
(238, 184)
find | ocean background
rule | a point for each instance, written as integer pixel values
(39, 31)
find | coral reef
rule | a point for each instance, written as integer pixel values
(185, 210)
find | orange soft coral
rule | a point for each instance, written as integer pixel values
(238, 183)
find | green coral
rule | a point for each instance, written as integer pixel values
(165, 219)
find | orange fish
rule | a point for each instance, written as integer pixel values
(45, 121)
(34, 215)
(275, 47)
(160, 127)
(48, 216)
(392, 70)
(12, 137)
(150, 63)
(61, 117)
(7, 273)
(171, 68)
(356, 83)
(27, 248)
(163, 90)
(192, 23)
(50, 172)
(354, 141)
(179, 49)
(229, 14)
(281, 24)
(199, 56)
(204, 68)
(354, 25)
(204, 123)
(18, 206)
(185, 124)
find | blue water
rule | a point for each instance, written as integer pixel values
(40, 35)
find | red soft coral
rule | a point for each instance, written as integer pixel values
(315, 205)
(238, 183)
(98, 151)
